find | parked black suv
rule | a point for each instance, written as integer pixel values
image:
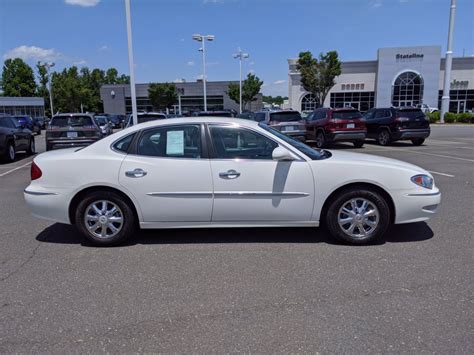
(387, 125)
(14, 137)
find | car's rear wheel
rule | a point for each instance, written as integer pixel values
(418, 141)
(320, 140)
(358, 144)
(383, 138)
(358, 216)
(10, 153)
(31, 147)
(105, 218)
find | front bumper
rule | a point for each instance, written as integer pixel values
(416, 206)
(344, 136)
(410, 134)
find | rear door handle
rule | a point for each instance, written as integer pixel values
(136, 173)
(229, 174)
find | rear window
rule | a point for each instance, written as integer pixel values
(74, 121)
(101, 120)
(285, 116)
(149, 117)
(346, 115)
(410, 113)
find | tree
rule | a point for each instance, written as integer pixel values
(162, 95)
(317, 75)
(42, 89)
(277, 100)
(250, 89)
(18, 78)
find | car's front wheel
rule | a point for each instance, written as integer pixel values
(383, 138)
(31, 147)
(358, 144)
(105, 218)
(358, 216)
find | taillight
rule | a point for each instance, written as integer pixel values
(35, 171)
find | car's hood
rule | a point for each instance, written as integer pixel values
(350, 158)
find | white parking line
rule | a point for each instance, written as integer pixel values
(424, 153)
(442, 174)
(12, 170)
(465, 147)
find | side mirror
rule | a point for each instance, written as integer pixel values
(282, 154)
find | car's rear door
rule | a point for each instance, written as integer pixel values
(249, 186)
(169, 175)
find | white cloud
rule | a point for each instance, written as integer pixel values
(251, 63)
(376, 3)
(279, 82)
(80, 62)
(213, 1)
(83, 3)
(190, 63)
(199, 77)
(32, 52)
(103, 48)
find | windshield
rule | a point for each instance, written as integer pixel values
(75, 121)
(285, 116)
(314, 154)
(101, 120)
(413, 113)
(346, 115)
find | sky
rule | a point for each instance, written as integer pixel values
(93, 33)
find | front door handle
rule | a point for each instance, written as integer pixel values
(229, 174)
(136, 173)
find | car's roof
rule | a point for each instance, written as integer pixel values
(72, 114)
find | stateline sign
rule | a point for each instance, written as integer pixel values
(409, 56)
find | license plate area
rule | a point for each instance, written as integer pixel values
(72, 134)
(350, 125)
(289, 128)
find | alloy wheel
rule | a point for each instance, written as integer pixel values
(103, 219)
(358, 218)
(11, 152)
(384, 137)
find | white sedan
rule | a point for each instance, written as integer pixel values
(224, 172)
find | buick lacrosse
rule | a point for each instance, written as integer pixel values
(224, 172)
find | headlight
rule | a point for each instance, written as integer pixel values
(423, 181)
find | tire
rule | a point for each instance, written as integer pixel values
(383, 137)
(126, 227)
(377, 206)
(320, 140)
(10, 153)
(358, 144)
(31, 147)
(418, 141)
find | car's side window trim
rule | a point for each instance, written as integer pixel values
(213, 154)
(134, 146)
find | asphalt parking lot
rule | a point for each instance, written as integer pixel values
(246, 290)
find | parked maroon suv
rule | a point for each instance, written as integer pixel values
(325, 125)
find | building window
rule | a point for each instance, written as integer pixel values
(407, 90)
(343, 87)
(309, 103)
(459, 100)
(360, 100)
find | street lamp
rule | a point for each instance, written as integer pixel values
(203, 39)
(49, 66)
(130, 62)
(240, 55)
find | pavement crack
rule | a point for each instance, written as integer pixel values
(32, 255)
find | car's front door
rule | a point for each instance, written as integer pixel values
(169, 176)
(250, 186)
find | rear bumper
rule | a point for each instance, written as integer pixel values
(339, 136)
(299, 134)
(49, 205)
(411, 133)
(70, 143)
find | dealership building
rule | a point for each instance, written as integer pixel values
(19, 106)
(117, 98)
(403, 76)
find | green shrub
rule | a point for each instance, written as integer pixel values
(465, 117)
(433, 116)
(450, 117)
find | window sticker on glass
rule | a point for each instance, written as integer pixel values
(175, 143)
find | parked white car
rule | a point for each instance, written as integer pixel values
(426, 109)
(224, 172)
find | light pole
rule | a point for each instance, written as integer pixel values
(240, 55)
(130, 62)
(448, 64)
(49, 66)
(203, 39)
